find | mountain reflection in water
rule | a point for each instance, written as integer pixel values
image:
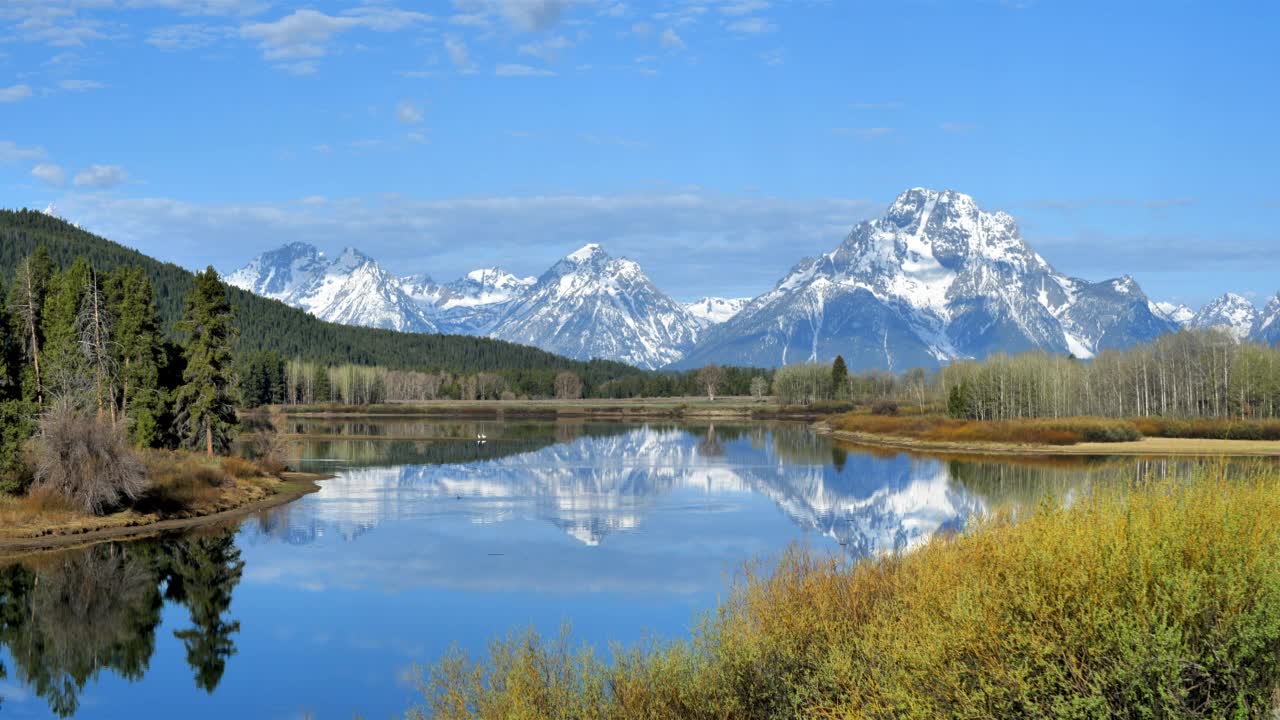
(426, 538)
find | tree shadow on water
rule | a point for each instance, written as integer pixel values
(64, 618)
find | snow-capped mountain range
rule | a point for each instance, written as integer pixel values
(935, 278)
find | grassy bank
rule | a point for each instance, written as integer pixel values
(1065, 431)
(1160, 601)
(181, 486)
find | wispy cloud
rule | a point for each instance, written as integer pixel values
(957, 128)
(50, 173)
(11, 152)
(100, 177)
(671, 40)
(518, 70)
(14, 93)
(81, 85)
(751, 26)
(547, 50)
(408, 113)
(743, 7)
(296, 40)
(188, 36)
(458, 53)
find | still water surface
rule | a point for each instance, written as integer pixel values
(321, 608)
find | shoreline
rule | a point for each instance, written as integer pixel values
(1151, 447)
(293, 486)
(682, 408)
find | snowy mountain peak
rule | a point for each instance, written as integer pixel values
(587, 253)
(352, 289)
(1231, 313)
(934, 278)
(591, 305)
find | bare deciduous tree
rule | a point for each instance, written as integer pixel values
(568, 386)
(710, 378)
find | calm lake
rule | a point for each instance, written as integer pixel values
(427, 538)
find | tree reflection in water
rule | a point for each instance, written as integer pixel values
(65, 618)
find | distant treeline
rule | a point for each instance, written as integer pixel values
(268, 379)
(1190, 374)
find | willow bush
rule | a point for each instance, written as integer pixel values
(1157, 601)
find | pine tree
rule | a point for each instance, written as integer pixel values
(839, 377)
(206, 400)
(66, 374)
(321, 388)
(140, 353)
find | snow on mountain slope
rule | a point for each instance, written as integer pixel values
(590, 305)
(933, 279)
(473, 302)
(1176, 313)
(715, 310)
(352, 289)
(1231, 313)
(1266, 329)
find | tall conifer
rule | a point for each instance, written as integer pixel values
(206, 400)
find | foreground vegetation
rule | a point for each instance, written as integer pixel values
(1158, 601)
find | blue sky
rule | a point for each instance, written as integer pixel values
(715, 141)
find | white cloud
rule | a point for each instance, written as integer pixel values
(547, 50)
(531, 15)
(744, 7)
(81, 85)
(958, 128)
(670, 39)
(417, 137)
(100, 177)
(50, 173)
(751, 26)
(773, 57)
(641, 29)
(11, 152)
(408, 113)
(301, 37)
(187, 36)
(459, 55)
(205, 7)
(15, 93)
(517, 70)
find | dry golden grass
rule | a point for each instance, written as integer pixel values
(1160, 601)
(179, 485)
(1063, 431)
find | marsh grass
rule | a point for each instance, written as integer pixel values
(1155, 601)
(1043, 431)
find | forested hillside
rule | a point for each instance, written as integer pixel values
(268, 325)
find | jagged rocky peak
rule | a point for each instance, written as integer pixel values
(592, 305)
(934, 278)
(1267, 326)
(1231, 313)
